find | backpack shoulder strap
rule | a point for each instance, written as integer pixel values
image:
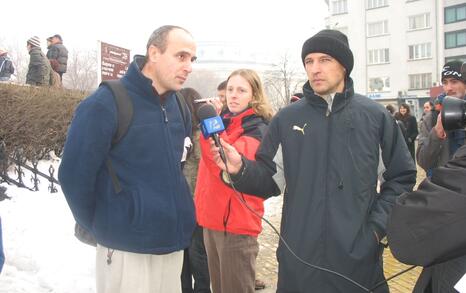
(184, 111)
(124, 117)
(124, 108)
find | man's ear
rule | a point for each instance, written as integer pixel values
(153, 54)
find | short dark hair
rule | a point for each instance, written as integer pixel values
(222, 85)
(390, 108)
(406, 106)
(159, 37)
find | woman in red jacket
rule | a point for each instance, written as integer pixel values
(230, 228)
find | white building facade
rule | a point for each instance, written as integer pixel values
(454, 37)
(400, 46)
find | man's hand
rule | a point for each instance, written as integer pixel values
(439, 128)
(233, 157)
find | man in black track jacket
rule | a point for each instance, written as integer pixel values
(327, 150)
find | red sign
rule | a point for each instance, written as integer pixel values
(114, 61)
(435, 91)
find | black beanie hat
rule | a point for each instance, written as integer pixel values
(452, 69)
(333, 43)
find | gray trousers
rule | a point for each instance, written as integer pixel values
(232, 261)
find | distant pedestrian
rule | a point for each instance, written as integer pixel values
(6, 66)
(390, 108)
(57, 51)
(410, 123)
(428, 107)
(39, 67)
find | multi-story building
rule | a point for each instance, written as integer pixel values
(454, 38)
(400, 46)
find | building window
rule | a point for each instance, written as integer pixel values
(379, 84)
(419, 21)
(339, 6)
(461, 58)
(455, 13)
(420, 51)
(420, 81)
(377, 28)
(455, 39)
(376, 3)
(378, 56)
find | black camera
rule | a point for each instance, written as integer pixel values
(454, 110)
(453, 113)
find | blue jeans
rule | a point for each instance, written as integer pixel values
(195, 266)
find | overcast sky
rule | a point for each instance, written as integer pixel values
(275, 25)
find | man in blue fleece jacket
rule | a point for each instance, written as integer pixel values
(142, 230)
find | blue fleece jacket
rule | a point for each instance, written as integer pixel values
(2, 256)
(154, 213)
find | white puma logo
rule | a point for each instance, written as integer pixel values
(297, 128)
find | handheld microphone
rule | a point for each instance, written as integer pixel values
(211, 126)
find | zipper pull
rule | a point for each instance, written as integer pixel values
(164, 111)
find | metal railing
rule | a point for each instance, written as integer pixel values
(19, 163)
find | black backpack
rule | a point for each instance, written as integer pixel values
(124, 119)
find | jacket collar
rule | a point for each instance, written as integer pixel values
(339, 101)
(135, 77)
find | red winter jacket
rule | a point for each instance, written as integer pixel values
(217, 205)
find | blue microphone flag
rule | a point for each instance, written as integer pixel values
(211, 126)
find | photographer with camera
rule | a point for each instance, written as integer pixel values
(436, 146)
(426, 226)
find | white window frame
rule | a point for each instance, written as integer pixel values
(424, 18)
(420, 81)
(339, 6)
(371, 26)
(419, 51)
(378, 56)
(371, 4)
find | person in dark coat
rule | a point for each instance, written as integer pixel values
(39, 66)
(426, 227)
(57, 51)
(323, 153)
(195, 266)
(143, 223)
(6, 66)
(410, 124)
(436, 147)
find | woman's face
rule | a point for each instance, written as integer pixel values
(239, 94)
(403, 110)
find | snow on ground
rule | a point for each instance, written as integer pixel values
(42, 254)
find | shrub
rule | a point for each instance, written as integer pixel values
(34, 120)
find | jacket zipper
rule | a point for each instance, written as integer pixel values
(164, 112)
(170, 158)
(329, 128)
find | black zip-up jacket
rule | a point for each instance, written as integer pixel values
(331, 207)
